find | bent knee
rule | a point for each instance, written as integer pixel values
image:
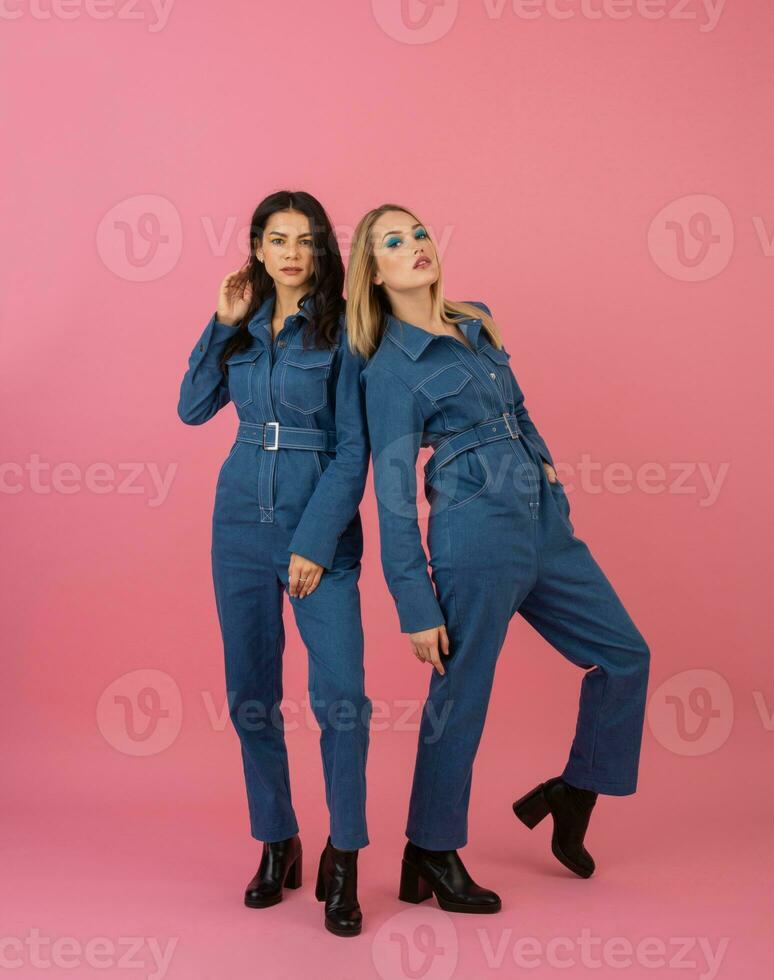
(642, 652)
(637, 660)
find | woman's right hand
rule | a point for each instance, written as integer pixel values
(234, 297)
(428, 643)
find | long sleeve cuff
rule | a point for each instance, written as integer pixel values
(209, 346)
(316, 537)
(540, 445)
(418, 607)
(215, 335)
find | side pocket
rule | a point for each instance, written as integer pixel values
(226, 461)
(459, 481)
(560, 496)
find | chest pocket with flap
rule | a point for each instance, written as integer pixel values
(304, 382)
(243, 375)
(445, 390)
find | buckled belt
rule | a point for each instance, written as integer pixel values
(272, 436)
(505, 426)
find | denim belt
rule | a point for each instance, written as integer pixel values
(504, 426)
(272, 435)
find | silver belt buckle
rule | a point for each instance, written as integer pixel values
(511, 433)
(276, 435)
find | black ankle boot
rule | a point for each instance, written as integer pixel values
(337, 887)
(424, 872)
(571, 809)
(280, 865)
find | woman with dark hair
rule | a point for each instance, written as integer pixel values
(501, 541)
(286, 519)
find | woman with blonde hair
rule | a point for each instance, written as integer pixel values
(500, 540)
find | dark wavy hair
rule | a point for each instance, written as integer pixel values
(325, 294)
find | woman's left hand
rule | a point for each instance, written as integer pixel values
(550, 472)
(303, 576)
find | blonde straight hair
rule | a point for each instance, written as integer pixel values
(367, 302)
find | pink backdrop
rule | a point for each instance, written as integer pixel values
(600, 174)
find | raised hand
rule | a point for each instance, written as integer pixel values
(234, 297)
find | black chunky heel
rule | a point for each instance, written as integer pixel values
(319, 888)
(570, 808)
(293, 879)
(413, 887)
(441, 873)
(337, 887)
(280, 867)
(531, 809)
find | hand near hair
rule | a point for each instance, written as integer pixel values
(234, 297)
(428, 643)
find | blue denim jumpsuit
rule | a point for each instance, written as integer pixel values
(501, 541)
(302, 497)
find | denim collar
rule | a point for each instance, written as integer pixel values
(260, 323)
(413, 340)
